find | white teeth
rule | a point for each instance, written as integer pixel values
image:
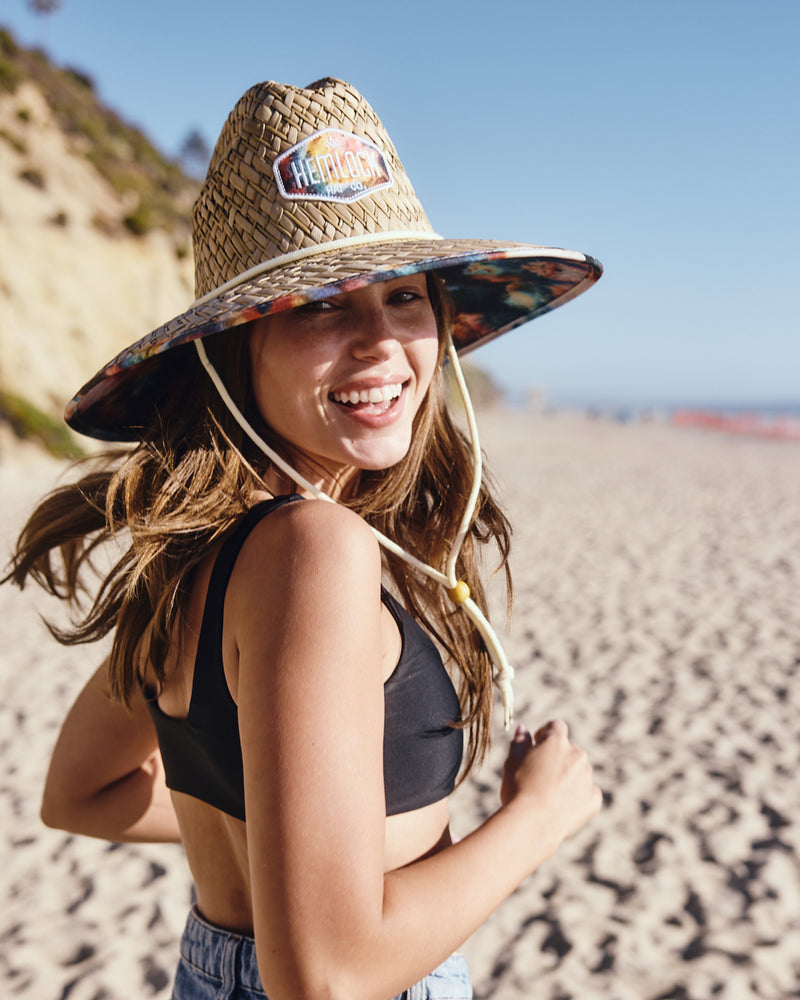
(375, 395)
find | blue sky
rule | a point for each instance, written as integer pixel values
(661, 137)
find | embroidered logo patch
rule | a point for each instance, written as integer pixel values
(332, 165)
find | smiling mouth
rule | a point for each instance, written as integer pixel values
(379, 398)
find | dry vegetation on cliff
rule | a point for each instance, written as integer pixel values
(94, 238)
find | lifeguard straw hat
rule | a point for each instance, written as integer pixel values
(306, 198)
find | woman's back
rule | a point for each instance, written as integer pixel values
(215, 841)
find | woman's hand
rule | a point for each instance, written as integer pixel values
(553, 775)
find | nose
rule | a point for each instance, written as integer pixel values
(373, 335)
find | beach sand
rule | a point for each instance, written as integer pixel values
(656, 610)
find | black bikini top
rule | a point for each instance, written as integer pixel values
(202, 753)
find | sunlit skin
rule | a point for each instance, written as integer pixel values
(308, 362)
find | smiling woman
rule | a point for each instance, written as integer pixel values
(295, 643)
(341, 380)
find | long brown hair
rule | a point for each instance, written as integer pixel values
(188, 481)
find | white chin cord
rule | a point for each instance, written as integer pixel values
(457, 589)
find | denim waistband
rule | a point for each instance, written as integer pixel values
(228, 957)
(219, 953)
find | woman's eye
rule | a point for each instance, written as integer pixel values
(405, 295)
(317, 306)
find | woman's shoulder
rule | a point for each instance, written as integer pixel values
(307, 562)
(306, 537)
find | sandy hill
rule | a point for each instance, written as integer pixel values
(94, 231)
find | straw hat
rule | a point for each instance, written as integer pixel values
(305, 198)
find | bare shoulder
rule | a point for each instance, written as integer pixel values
(319, 516)
(305, 546)
(305, 597)
(312, 529)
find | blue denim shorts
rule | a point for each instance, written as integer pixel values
(216, 964)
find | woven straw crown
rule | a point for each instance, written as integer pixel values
(305, 198)
(259, 224)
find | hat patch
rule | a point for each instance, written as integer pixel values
(331, 165)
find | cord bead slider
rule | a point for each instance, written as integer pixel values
(460, 593)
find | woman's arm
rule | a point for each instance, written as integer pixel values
(106, 778)
(328, 921)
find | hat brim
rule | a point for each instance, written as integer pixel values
(494, 286)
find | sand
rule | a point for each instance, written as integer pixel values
(657, 576)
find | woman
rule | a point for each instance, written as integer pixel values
(273, 697)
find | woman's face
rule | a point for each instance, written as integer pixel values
(341, 380)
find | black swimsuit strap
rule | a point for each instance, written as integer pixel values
(209, 644)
